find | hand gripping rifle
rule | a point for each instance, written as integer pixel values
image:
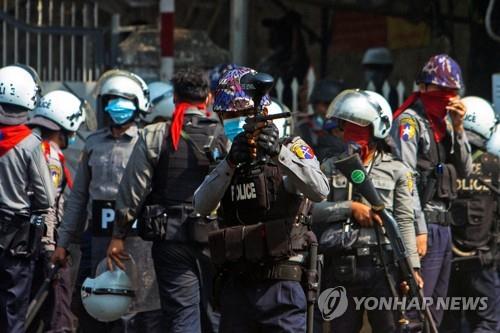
(257, 86)
(352, 168)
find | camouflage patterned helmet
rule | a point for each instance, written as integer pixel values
(231, 97)
(215, 74)
(442, 71)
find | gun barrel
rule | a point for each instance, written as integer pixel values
(274, 116)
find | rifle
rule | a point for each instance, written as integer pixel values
(257, 86)
(312, 280)
(352, 168)
(41, 295)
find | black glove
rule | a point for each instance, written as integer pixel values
(240, 151)
(268, 140)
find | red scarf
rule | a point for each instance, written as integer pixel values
(359, 135)
(435, 103)
(67, 174)
(10, 136)
(178, 120)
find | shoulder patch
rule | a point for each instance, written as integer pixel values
(407, 128)
(302, 149)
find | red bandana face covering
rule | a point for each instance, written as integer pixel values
(358, 135)
(435, 103)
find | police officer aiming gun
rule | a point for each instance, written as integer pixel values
(264, 213)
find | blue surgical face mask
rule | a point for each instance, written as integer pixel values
(233, 127)
(71, 140)
(120, 110)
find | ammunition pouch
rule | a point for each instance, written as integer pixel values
(20, 236)
(440, 185)
(269, 241)
(199, 227)
(152, 223)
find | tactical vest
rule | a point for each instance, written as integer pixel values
(438, 178)
(261, 220)
(474, 210)
(179, 173)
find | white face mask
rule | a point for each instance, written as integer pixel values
(233, 127)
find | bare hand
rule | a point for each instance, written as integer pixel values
(60, 256)
(116, 253)
(457, 109)
(364, 215)
(422, 245)
(418, 279)
(405, 288)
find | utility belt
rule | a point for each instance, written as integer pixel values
(175, 223)
(345, 266)
(261, 242)
(438, 217)
(20, 235)
(284, 270)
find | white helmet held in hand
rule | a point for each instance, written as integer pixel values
(479, 117)
(61, 108)
(117, 82)
(19, 86)
(162, 101)
(108, 296)
(363, 108)
(493, 143)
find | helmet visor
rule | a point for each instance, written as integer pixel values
(355, 107)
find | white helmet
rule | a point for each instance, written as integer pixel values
(123, 83)
(59, 107)
(479, 117)
(363, 108)
(282, 124)
(162, 101)
(493, 143)
(20, 86)
(108, 296)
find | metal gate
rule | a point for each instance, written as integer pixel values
(61, 39)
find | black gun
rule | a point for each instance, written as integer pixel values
(257, 86)
(352, 168)
(41, 295)
(312, 283)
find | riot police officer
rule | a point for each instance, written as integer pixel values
(377, 65)
(25, 191)
(474, 227)
(168, 163)
(264, 216)
(313, 128)
(362, 263)
(162, 103)
(437, 152)
(59, 114)
(121, 97)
